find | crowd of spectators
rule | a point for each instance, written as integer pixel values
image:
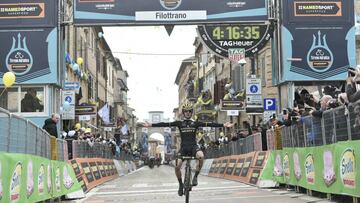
(332, 96)
(86, 135)
(306, 104)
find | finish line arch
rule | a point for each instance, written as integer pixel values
(172, 12)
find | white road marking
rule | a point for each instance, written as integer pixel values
(140, 185)
(171, 190)
(215, 198)
(170, 184)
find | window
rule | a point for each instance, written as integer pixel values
(32, 99)
(9, 99)
(23, 99)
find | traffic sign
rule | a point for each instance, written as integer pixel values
(232, 112)
(267, 115)
(72, 85)
(68, 96)
(253, 86)
(84, 118)
(68, 99)
(270, 104)
(254, 89)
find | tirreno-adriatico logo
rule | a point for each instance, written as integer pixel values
(170, 4)
(19, 59)
(320, 57)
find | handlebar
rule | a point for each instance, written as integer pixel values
(187, 157)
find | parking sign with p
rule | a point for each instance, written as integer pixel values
(270, 104)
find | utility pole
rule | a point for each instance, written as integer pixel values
(253, 72)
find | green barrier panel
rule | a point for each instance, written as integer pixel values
(327, 169)
(28, 178)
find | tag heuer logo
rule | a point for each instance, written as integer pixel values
(170, 4)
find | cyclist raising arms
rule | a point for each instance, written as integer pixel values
(188, 129)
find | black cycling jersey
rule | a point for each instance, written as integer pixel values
(188, 129)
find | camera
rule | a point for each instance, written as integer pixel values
(284, 111)
(351, 74)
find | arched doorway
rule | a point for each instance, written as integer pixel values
(156, 145)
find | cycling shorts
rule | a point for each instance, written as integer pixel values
(189, 150)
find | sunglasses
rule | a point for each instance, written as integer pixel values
(189, 111)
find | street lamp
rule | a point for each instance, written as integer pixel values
(242, 62)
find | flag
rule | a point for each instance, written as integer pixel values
(104, 114)
(124, 129)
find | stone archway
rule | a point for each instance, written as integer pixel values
(165, 134)
(156, 145)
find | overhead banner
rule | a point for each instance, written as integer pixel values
(113, 12)
(31, 54)
(318, 40)
(314, 11)
(28, 13)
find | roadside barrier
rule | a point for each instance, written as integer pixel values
(19, 135)
(335, 125)
(91, 172)
(29, 178)
(82, 149)
(244, 168)
(331, 169)
(240, 146)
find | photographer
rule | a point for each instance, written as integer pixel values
(351, 84)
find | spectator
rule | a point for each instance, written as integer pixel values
(77, 128)
(357, 117)
(263, 137)
(248, 127)
(274, 122)
(69, 139)
(324, 103)
(30, 102)
(353, 78)
(88, 137)
(50, 125)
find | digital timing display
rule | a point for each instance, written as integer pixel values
(248, 32)
(222, 37)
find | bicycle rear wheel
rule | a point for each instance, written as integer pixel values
(187, 184)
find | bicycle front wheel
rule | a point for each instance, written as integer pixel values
(187, 184)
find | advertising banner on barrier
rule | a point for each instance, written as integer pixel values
(94, 171)
(329, 169)
(245, 168)
(28, 178)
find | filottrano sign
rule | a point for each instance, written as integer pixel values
(112, 12)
